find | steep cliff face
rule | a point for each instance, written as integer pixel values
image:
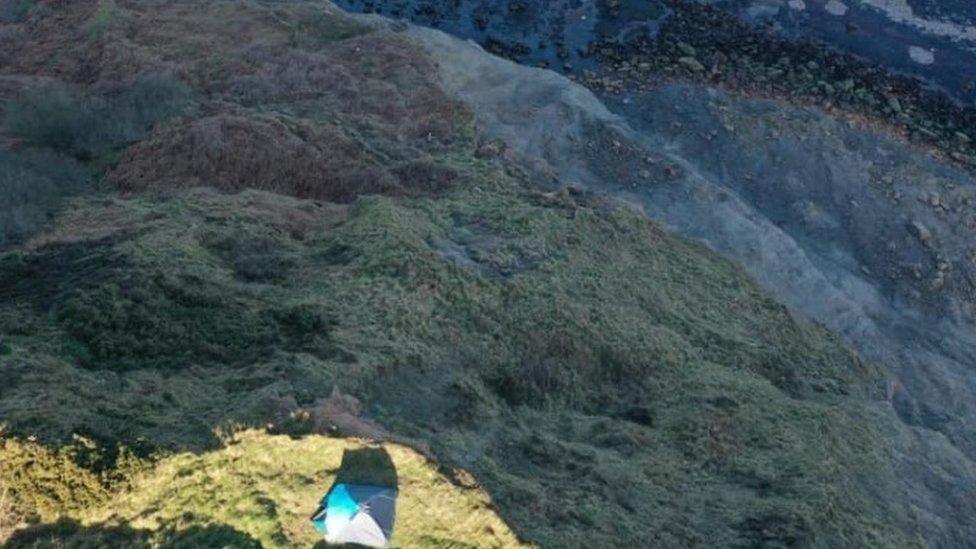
(855, 230)
(466, 247)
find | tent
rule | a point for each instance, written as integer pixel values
(357, 513)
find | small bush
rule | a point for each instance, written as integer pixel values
(32, 185)
(253, 259)
(88, 126)
(43, 483)
(15, 11)
(105, 19)
(166, 322)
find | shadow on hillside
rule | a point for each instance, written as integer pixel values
(371, 466)
(69, 533)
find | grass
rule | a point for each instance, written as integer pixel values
(107, 17)
(259, 491)
(588, 368)
(33, 185)
(15, 11)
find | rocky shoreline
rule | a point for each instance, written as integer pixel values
(703, 44)
(685, 41)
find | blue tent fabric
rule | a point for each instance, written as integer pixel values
(355, 513)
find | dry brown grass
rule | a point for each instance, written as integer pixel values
(332, 118)
(363, 119)
(393, 79)
(343, 118)
(232, 152)
(387, 82)
(236, 152)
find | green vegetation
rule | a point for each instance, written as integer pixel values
(535, 339)
(90, 126)
(603, 381)
(106, 18)
(46, 483)
(15, 11)
(258, 491)
(32, 186)
(163, 323)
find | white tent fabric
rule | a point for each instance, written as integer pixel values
(356, 513)
(362, 529)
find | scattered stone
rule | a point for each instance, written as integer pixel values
(833, 7)
(921, 56)
(692, 64)
(921, 232)
(687, 49)
(894, 104)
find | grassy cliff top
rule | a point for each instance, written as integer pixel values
(255, 492)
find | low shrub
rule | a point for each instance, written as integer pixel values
(252, 259)
(70, 533)
(86, 125)
(44, 483)
(32, 185)
(15, 11)
(165, 322)
(105, 18)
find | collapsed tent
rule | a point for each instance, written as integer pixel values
(356, 513)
